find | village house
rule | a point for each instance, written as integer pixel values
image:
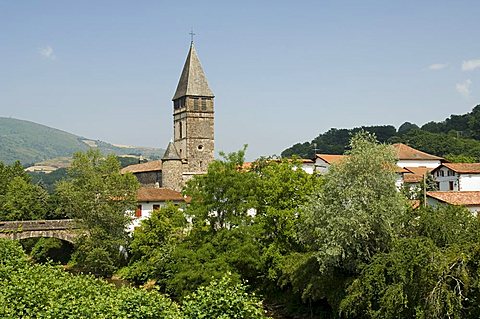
(468, 199)
(150, 199)
(457, 176)
(323, 161)
(409, 157)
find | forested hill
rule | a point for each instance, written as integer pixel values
(30, 142)
(457, 137)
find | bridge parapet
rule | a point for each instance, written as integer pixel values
(64, 229)
(29, 225)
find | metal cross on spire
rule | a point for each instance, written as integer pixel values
(192, 34)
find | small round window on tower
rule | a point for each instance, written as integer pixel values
(200, 147)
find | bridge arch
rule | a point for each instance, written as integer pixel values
(65, 236)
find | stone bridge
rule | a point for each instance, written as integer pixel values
(64, 229)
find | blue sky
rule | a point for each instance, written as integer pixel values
(282, 71)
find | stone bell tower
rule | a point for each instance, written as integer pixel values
(193, 117)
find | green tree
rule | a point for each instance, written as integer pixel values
(8, 172)
(432, 272)
(223, 299)
(99, 198)
(414, 280)
(223, 197)
(24, 201)
(45, 291)
(283, 186)
(407, 126)
(354, 215)
(460, 158)
(152, 245)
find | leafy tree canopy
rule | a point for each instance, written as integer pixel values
(430, 273)
(19, 198)
(99, 198)
(353, 216)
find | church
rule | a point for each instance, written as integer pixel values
(192, 148)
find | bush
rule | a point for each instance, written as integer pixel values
(45, 291)
(223, 299)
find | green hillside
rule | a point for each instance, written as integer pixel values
(457, 138)
(30, 142)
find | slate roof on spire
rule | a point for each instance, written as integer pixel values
(193, 81)
(171, 153)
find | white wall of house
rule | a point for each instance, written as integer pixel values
(399, 181)
(447, 179)
(469, 182)
(308, 168)
(434, 203)
(321, 166)
(146, 211)
(419, 163)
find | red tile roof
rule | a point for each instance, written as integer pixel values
(144, 167)
(146, 194)
(330, 158)
(405, 152)
(464, 168)
(422, 170)
(401, 170)
(412, 178)
(416, 175)
(470, 198)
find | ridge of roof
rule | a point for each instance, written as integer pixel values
(193, 81)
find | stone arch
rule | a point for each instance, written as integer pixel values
(62, 235)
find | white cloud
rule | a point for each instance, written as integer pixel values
(437, 66)
(47, 53)
(470, 65)
(464, 88)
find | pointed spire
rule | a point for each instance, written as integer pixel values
(193, 81)
(171, 153)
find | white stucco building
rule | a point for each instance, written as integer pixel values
(150, 199)
(409, 157)
(323, 161)
(458, 176)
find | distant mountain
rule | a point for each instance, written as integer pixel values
(29, 143)
(457, 138)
